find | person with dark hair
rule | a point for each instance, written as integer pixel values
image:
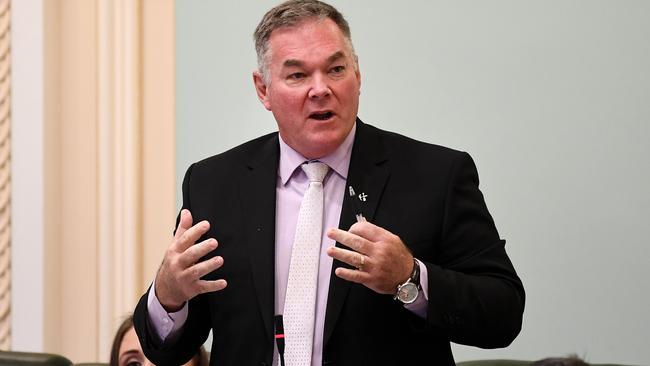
(347, 244)
(126, 349)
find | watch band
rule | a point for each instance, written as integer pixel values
(415, 275)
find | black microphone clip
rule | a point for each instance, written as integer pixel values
(279, 336)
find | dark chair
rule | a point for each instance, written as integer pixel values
(8, 358)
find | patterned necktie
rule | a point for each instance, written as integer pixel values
(300, 300)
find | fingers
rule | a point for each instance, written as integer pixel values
(179, 277)
(203, 268)
(211, 286)
(191, 235)
(361, 236)
(369, 231)
(184, 223)
(350, 257)
(195, 252)
(176, 284)
(381, 259)
(353, 275)
(351, 240)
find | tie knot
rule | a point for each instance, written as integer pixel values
(315, 171)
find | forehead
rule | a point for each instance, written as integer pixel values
(130, 342)
(309, 40)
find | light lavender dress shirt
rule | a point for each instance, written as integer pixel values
(290, 188)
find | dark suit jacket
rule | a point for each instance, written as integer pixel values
(426, 194)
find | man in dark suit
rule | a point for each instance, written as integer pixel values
(416, 261)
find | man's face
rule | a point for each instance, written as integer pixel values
(313, 91)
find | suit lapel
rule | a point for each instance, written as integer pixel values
(257, 192)
(368, 175)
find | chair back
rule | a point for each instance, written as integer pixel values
(10, 358)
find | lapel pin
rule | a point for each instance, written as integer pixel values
(357, 206)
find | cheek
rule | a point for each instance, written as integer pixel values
(348, 93)
(353, 89)
(286, 99)
(292, 102)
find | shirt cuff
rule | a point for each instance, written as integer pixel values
(419, 306)
(166, 325)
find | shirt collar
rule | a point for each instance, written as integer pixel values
(338, 161)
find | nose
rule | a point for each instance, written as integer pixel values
(319, 88)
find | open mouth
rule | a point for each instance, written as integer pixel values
(321, 116)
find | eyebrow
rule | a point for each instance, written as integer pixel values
(128, 353)
(292, 62)
(337, 55)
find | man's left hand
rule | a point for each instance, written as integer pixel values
(382, 260)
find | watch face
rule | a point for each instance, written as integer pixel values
(407, 293)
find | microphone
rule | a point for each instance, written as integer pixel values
(279, 336)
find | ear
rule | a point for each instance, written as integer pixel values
(357, 73)
(261, 89)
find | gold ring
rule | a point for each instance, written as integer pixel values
(361, 262)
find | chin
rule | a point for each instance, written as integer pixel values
(316, 143)
(319, 148)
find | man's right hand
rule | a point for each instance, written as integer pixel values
(179, 276)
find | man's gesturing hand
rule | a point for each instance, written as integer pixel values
(382, 259)
(179, 276)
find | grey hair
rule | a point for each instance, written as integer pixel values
(291, 13)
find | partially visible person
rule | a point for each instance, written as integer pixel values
(127, 351)
(572, 360)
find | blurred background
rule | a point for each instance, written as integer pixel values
(106, 103)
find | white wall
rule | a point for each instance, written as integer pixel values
(551, 98)
(27, 175)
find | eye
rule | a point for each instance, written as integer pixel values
(132, 361)
(296, 76)
(337, 70)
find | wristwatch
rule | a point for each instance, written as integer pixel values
(409, 290)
